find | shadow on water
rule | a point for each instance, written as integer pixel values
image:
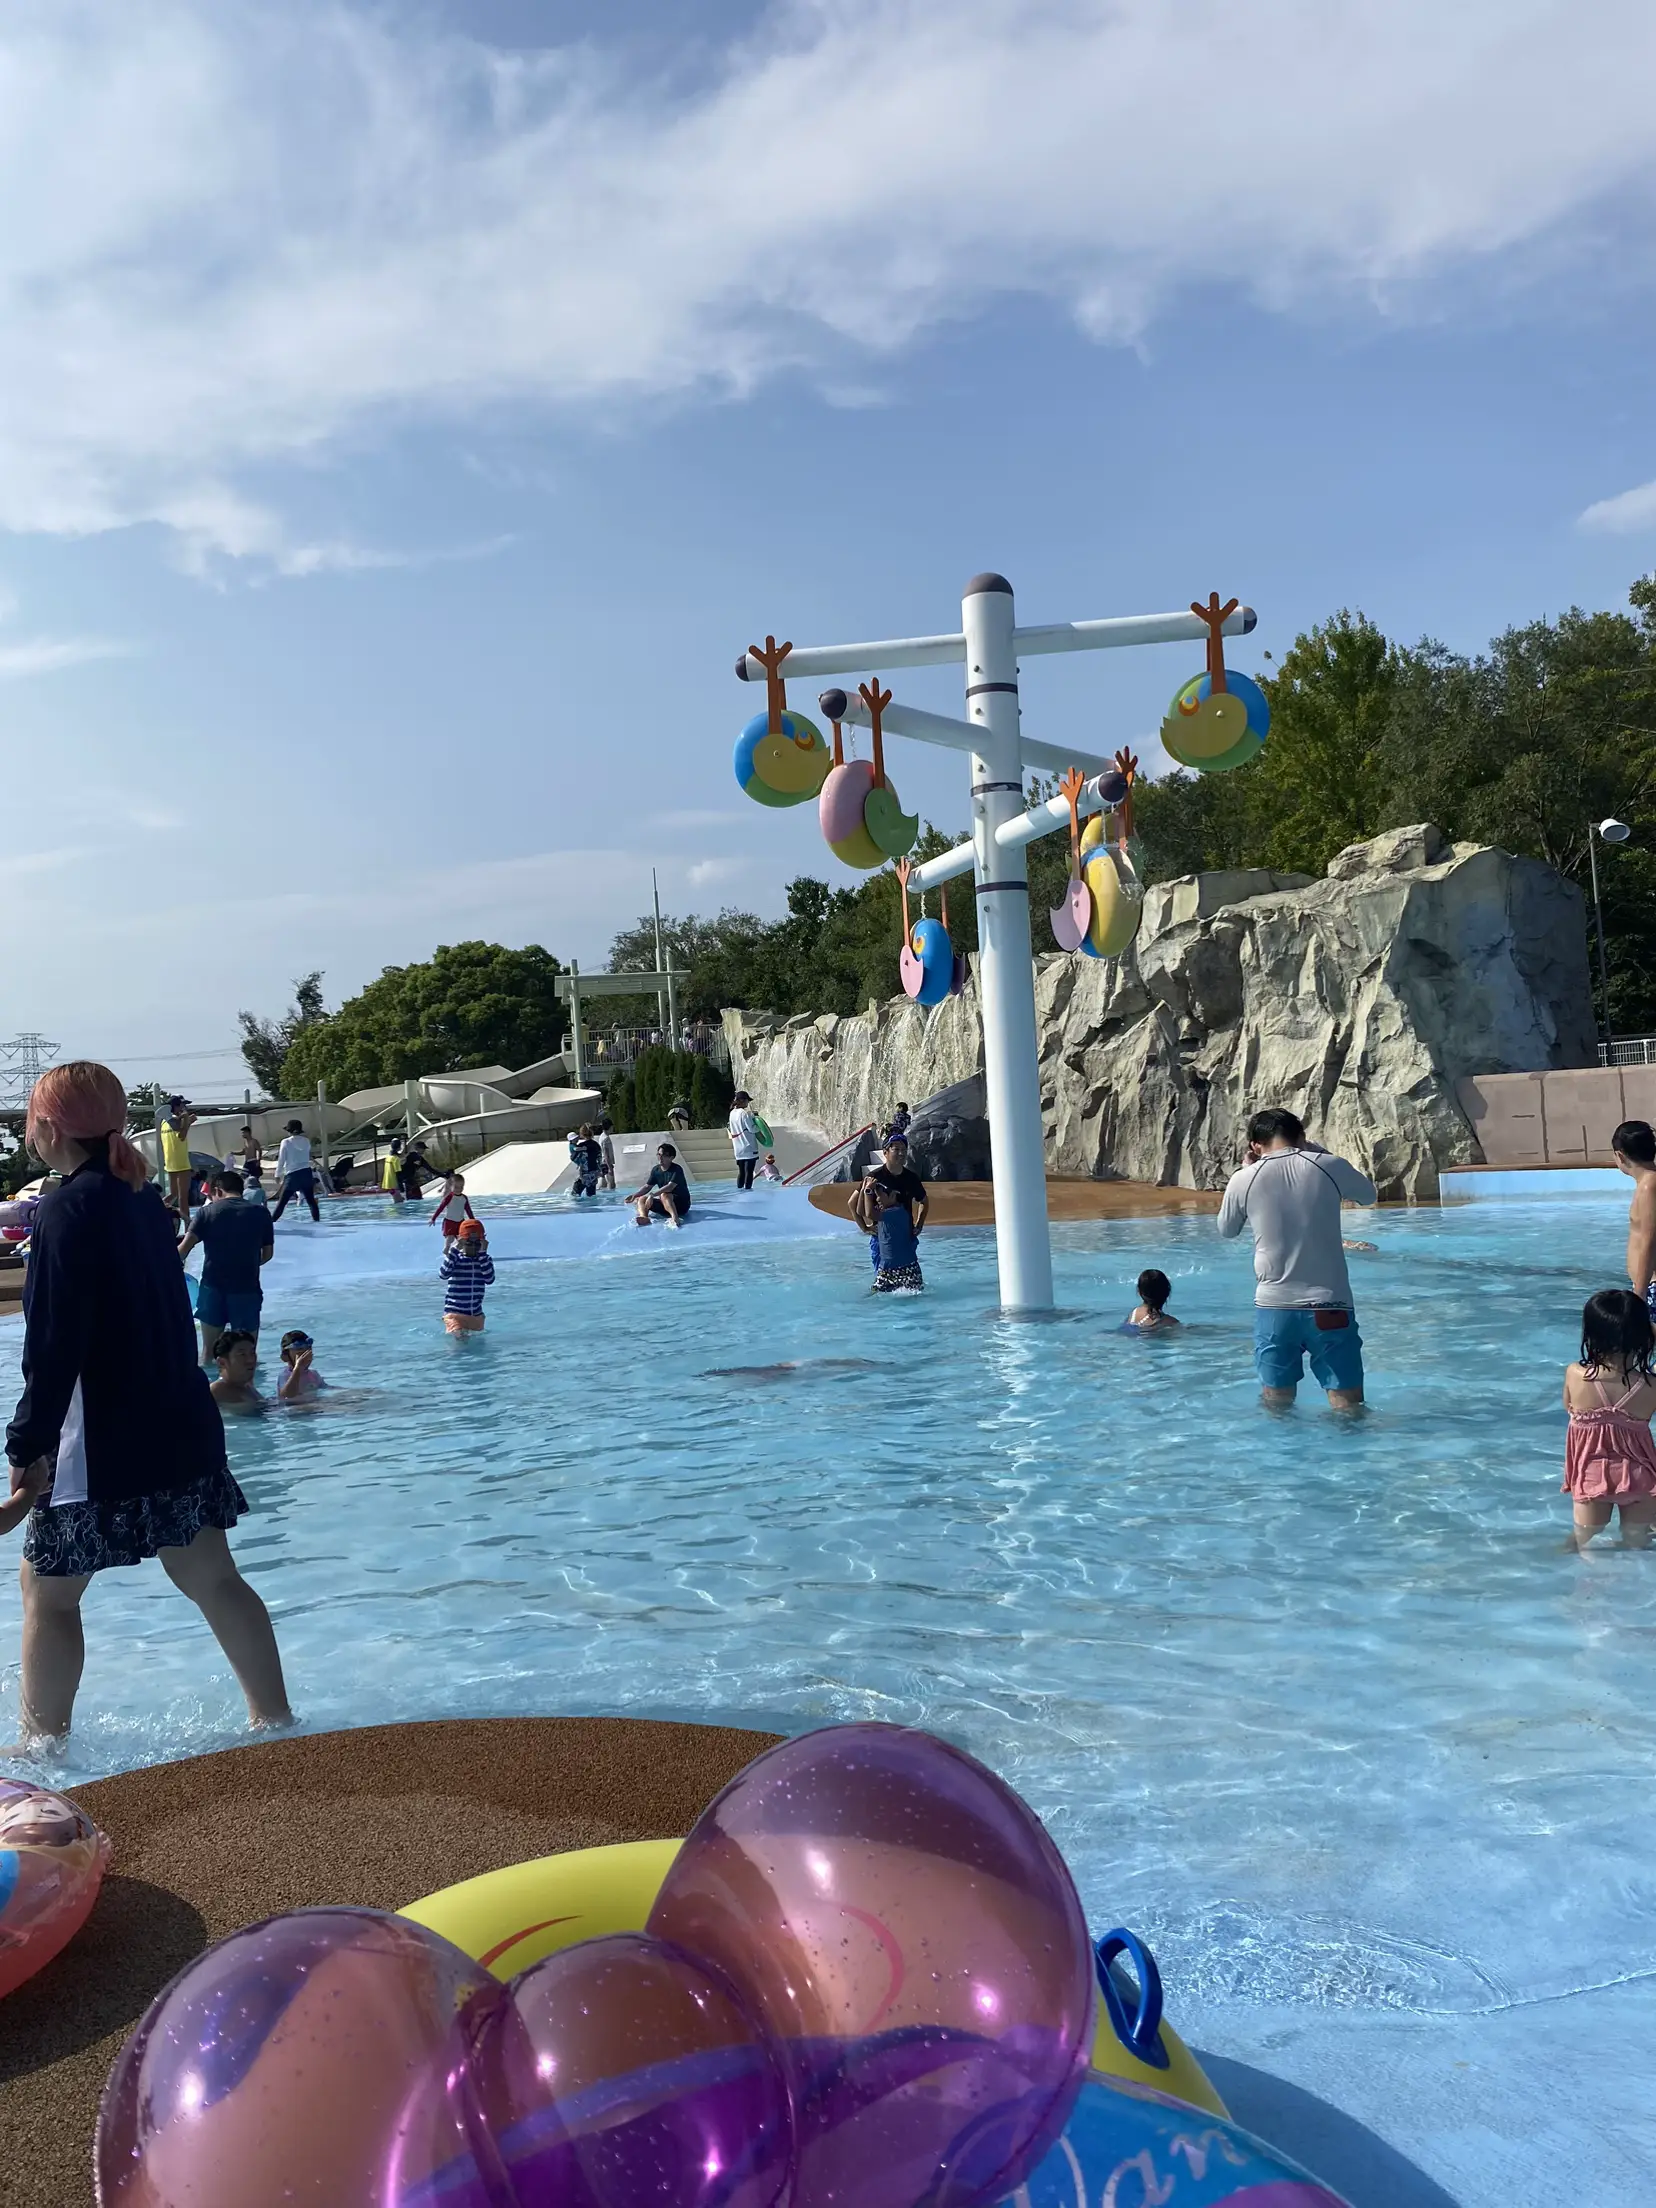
(1333, 2146)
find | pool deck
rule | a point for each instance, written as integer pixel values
(972, 1203)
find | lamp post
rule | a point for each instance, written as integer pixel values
(1613, 832)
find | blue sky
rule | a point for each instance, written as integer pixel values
(409, 416)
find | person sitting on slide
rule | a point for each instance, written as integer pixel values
(666, 1194)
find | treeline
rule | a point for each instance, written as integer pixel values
(1526, 745)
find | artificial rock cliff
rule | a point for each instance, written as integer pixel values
(1358, 1001)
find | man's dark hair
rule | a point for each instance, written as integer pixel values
(232, 1340)
(1154, 1288)
(229, 1180)
(1276, 1126)
(665, 1150)
(1635, 1141)
(295, 1126)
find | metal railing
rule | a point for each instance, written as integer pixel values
(1628, 1050)
(614, 1050)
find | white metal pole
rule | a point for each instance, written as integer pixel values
(662, 1013)
(1006, 975)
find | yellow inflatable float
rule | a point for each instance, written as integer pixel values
(508, 1919)
(1117, 894)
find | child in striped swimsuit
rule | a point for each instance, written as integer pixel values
(1609, 1456)
(468, 1270)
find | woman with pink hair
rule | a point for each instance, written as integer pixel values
(116, 1432)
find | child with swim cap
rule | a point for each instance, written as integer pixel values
(1609, 1456)
(301, 1380)
(467, 1270)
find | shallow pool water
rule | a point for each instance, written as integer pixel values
(1319, 1705)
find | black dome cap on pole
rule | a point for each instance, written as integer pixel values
(987, 581)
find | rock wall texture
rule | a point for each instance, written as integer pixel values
(1358, 1001)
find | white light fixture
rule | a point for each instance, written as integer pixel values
(1614, 831)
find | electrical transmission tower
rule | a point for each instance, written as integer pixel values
(22, 1062)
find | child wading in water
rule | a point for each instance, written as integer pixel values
(1609, 1456)
(1152, 1313)
(899, 1266)
(468, 1270)
(454, 1209)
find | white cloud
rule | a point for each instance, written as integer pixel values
(709, 873)
(21, 657)
(46, 655)
(1628, 514)
(240, 237)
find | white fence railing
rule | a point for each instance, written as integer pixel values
(1628, 1050)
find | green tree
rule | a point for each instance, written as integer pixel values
(471, 1004)
(266, 1043)
(1321, 781)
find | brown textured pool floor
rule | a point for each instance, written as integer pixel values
(377, 1816)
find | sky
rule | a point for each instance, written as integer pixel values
(407, 414)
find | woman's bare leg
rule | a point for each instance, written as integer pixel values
(54, 1651)
(1637, 1522)
(1591, 1518)
(206, 1572)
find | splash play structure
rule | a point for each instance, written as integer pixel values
(1217, 720)
(864, 1980)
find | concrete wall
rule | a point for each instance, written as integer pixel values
(1563, 1118)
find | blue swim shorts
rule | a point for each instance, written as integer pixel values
(1283, 1338)
(240, 1312)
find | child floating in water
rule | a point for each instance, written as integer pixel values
(898, 1270)
(301, 1380)
(1609, 1457)
(469, 1270)
(770, 1170)
(237, 1355)
(453, 1210)
(1152, 1313)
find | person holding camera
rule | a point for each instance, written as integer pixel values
(1290, 1192)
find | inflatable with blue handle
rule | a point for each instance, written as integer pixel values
(1128, 2146)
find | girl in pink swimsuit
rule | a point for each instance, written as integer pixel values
(1609, 1456)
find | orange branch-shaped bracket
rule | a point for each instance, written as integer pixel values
(1215, 615)
(839, 745)
(876, 701)
(776, 690)
(1127, 766)
(1070, 784)
(902, 870)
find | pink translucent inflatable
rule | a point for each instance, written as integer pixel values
(901, 1923)
(317, 2057)
(52, 1862)
(623, 2074)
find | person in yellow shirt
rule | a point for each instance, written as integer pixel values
(175, 1123)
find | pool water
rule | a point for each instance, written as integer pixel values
(1319, 1705)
